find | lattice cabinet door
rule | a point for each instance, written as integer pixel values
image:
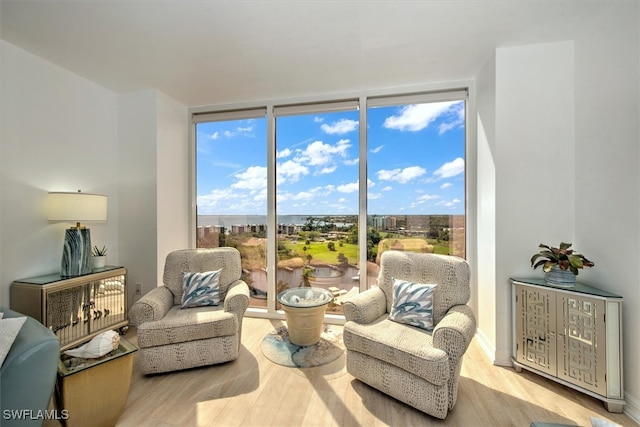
(581, 327)
(572, 335)
(536, 328)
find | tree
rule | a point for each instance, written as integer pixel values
(305, 279)
(310, 224)
(342, 259)
(331, 246)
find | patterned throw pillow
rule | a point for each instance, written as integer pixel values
(200, 289)
(412, 304)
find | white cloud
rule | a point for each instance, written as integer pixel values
(401, 175)
(318, 153)
(304, 195)
(456, 118)
(340, 127)
(449, 203)
(374, 196)
(450, 169)
(387, 188)
(214, 135)
(290, 171)
(351, 162)
(326, 170)
(418, 116)
(348, 188)
(445, 185)
(244, 131)
(426, 197)
(377, 149)
(370, 183)
(253, 178)
(284, 153)
(318, 119)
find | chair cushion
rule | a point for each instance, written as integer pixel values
(182, 325)
(404, 346)
(202, 259)
(412, 304)
(200, 289)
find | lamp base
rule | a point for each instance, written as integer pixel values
(76, 253)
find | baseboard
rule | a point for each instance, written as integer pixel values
(497, 358)
(632, 407)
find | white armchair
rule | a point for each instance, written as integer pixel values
(412, 364)
(172, 338)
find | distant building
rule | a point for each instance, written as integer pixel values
(288, 229)
(205, 230)
(383, 222)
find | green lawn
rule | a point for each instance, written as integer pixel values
(319, 251)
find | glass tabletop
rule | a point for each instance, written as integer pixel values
(56, 277)
(578, 287)
(69, 365)
(305, 297)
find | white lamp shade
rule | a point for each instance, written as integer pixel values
(76, 207)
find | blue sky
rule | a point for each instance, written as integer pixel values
(415, 163)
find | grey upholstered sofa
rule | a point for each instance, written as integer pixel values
(28, 374)
(173, 338)
(415, 366)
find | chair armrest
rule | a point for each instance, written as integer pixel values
(237, 298)
(455, 331)
(152, 306)
(365, 307)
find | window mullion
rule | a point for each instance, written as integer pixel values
(362, 196)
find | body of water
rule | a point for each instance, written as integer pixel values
(229, 220)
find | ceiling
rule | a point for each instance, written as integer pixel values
(221, 52)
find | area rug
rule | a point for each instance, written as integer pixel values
(277, 348)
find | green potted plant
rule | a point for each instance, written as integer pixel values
(561, 264)
(99, 256)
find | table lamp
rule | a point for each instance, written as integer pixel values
(76, 207)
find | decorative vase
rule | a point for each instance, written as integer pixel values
(99, 261)
(559, 277)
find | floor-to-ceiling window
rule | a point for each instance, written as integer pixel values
(298, 188)
(416, 176)
(317, 197)
(231, 188)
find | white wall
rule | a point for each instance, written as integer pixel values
(533, 152)
(607, 203)
(564, 147)
(154, 184)
(61, 132)
(58, 134)
(173, 178)
(153, 136)
(137, 131)
(486, 207)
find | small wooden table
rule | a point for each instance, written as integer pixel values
(95, 393)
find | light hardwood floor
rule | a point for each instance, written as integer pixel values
(253, 391)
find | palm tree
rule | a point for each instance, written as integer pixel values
(305, 280)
